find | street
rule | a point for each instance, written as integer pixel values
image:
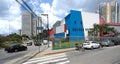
(106, 55)
(6, 58)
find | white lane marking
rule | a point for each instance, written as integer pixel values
(45, 59)
(65, 62)
(47, 56)
(50, 61)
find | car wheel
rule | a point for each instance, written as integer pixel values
(25, 48)
(8, 51)
(100, 46)
(16, 50)
(91, 47)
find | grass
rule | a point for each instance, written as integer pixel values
(64, 45)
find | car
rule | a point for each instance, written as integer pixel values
(116, 42)
(107, 43)
(45, 42)
(37, 43)
(29, 43)
(90, 45)
(15, 48)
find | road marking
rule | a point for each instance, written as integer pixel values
(66, 62)
(48, 59)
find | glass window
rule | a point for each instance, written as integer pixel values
(81, 23)
(75, 22)
(94, 42)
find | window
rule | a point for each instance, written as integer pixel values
(75, 22)
(81, 23)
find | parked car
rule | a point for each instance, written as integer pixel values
(116, 42)
(29, 43)
(15, 48)
(107, 43)
(91, 45)
(37, 43)
(45, 42)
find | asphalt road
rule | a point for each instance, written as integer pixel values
(106, 55)
(5, 57)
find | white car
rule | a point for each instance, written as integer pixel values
(45, 42)
(91, 45)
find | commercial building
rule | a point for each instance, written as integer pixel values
(109, 14)
(27, 23)
(37, 22)
(109, 11)
(75, 25)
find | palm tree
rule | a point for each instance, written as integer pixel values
(101, 28)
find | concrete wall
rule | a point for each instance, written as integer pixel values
(88, 20)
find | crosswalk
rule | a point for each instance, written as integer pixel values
(51, 59)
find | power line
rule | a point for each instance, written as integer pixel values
(28, 7)
(21, 5)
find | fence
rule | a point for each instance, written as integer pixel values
(62, 43)
(68, 42)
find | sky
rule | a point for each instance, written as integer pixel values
(10, 11)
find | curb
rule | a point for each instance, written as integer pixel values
(33, 55)
(55, 52)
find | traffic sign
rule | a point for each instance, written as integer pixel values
(39, 28)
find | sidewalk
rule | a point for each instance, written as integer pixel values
(49, 51)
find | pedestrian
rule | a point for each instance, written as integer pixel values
(77, 46)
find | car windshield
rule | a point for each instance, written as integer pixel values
(94, 42)
(87, 42)
(12, 45)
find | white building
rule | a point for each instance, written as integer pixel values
(37, 22)
(27, 23)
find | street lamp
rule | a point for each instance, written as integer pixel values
(47, 27)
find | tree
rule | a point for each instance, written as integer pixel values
(1, 40)
(45, 33)
(101, 28)
(24, 37)
(15, 37)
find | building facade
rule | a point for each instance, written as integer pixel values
(27, 23)
(109, 11)
(37, 22)
(75, 25)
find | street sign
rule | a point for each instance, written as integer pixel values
(39, 28)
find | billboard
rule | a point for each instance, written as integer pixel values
(60, 29)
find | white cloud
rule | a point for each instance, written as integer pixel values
(48, 10)
(59, 9)
(4, 27)
(12, 18)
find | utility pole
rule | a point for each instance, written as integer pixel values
(47, 27)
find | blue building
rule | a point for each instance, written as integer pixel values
(74, 25)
